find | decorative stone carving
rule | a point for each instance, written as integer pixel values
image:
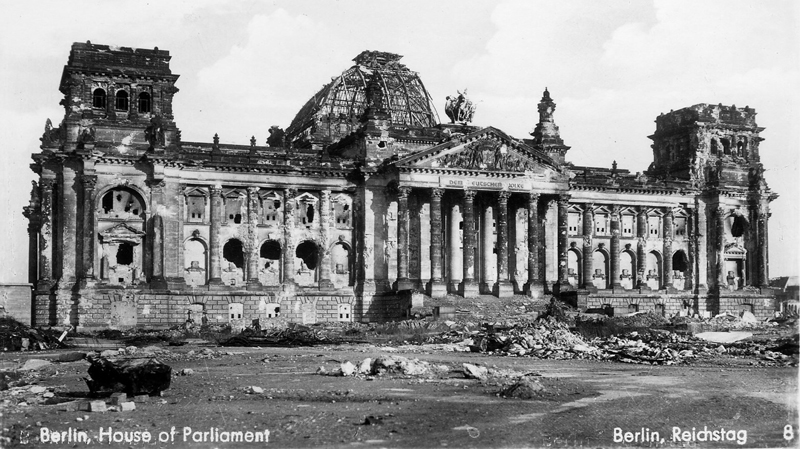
(459, 108)
(489, 155)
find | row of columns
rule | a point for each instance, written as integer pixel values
(469, 287)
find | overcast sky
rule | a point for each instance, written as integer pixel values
(611, 66)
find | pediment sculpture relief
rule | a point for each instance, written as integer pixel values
(486, 155)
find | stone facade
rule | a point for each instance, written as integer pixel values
(365, 198)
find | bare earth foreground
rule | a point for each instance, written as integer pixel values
(580, 405)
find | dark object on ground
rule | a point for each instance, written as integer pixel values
(133, 376)
(293, 335)
(9, 379)
(373, 421)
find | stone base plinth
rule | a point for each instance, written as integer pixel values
(437, 289)
(534, 290)
(503, 289)
(404, 284)
(469, 289)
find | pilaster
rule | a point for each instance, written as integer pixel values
(215, 259)
(563, 241)
(253, 253)
(324, 230)
(588, 237)
(667, 236)
(615, 269)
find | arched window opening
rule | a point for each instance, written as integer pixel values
(144, 102)
(125, 254)
(679, 261)
(233, 252)
(573, 267)
(269, 270)
(308, 253)
(121, 103)
(121, 202)
(599, 263)
(99, 98)
(739, 226)
(194, 256)
(653, 270)
(627, 269)
(726, 146)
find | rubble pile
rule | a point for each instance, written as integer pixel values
(291, 335)
(553, 339)
(16, 336)
(386, 365)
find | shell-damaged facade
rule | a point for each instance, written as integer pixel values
(366, 197)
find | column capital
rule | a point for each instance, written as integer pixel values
(669, 212)
(563, 200)
(252, 190)
(503, 196)
(588, 207)
(47, 184)
(469, 195)
(89, 181)
(437, 193)
(215, 191)
(642, 211)
(534, 196)
(403, 192)
(290, 192)
(720, 212)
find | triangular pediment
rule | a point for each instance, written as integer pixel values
(122, 233)
(488, 150)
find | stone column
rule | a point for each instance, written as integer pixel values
(469, 288)
(487, 248)
(588, 235)
(503, 288)
(563, 240)
(288, 245)
(763, 249)
(89, 182)
(455, 260)
(641, 234)
(667, 251)
(46, 235)
(403, 219)
(615, 270)
(534, 287)
(436, 286)
(324, 230)
(215, 260)
(720, 247)
(252, 236)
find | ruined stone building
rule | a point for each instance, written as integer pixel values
(367, 197)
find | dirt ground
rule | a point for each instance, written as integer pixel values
(581, 404)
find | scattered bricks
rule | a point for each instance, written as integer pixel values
(127, 406)
(71, 406)
(98, 406)
(117, 398)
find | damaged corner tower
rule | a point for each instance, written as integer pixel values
(367, 198)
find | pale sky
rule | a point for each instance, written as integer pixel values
(611, 66)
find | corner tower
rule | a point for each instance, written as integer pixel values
(709, 145)
(116, 99)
